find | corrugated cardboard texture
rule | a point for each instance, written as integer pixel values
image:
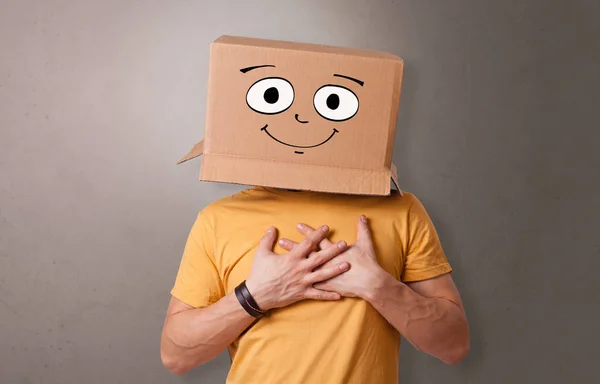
(302, 116)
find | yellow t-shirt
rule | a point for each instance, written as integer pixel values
(320, 342)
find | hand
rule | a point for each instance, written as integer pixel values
(364, 270)
(279, 280)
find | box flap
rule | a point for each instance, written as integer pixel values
(195, 152)
(394, 176)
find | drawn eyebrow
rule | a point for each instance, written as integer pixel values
(244, 70)
(360, 82)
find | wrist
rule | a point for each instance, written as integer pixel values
(379, 283)
(247, 301)
(260, 295)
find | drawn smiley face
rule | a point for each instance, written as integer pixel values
(333, 103)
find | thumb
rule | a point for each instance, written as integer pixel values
(267, 241)
(363, 237)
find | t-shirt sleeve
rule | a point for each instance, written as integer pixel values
(425, 257)
(198, 282)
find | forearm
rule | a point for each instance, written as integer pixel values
(194, 336)
(436, 326)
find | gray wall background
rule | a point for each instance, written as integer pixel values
(498, 135)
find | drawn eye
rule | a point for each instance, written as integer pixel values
(270, 95)
(335, 102)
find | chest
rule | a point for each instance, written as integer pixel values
(235, 252)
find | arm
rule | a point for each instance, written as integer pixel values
(193, 336)
(429, 314)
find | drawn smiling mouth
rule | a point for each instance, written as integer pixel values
(298, 146)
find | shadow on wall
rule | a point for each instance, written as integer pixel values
(413, 364)
(404, 126)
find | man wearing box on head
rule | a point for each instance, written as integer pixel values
(312, 274)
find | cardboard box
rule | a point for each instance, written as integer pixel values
(300, 116)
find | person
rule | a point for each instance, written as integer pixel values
(331, 281)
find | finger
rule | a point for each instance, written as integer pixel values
(290, 245)
(363, 235)
(325, 255)
(328, 273)
(307, 229)
(315, 294)
(311, 241)
(287, 244)
(267, 241)
(324, 286)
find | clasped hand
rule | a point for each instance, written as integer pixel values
(315, 268)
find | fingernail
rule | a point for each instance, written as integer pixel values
(300, 226)
(270, 230)
(324, 228)
(344, 266)
(342, 244)
(363, 218)
(281, 241)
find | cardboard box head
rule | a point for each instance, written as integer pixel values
(300, 116)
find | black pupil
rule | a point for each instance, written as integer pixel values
(333, 101)
(271, 95)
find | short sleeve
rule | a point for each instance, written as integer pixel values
(425, 257)
(198, 282)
